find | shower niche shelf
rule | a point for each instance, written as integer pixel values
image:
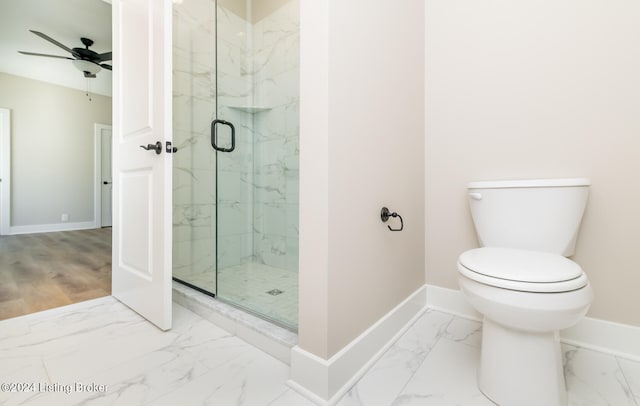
(250, 109)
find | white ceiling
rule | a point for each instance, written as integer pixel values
(66, 21)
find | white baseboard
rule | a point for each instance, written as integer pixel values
(617, 339)
(599, 335)
(47, 228)
(326, 381)
(450, 301)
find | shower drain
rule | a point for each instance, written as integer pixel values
(275, 292)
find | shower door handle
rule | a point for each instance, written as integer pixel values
(214, 135)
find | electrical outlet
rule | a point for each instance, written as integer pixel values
(65, 217)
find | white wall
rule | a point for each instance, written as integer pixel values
(361, 148)
(532, 89)
(52, 153)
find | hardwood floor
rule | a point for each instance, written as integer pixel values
(47, 270)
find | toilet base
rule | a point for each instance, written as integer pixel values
(519, 368)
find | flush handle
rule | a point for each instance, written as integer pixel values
(475, 196)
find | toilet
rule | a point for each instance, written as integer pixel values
(524, 285)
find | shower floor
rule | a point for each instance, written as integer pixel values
(252, 286)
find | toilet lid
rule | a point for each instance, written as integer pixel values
(515, 269)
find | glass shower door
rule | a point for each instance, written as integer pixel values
(232, 137)
(236, 173)
(257, 182)
(194, 165)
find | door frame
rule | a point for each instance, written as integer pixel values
(5, 171)
(97, 171)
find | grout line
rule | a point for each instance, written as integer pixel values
(628, 389)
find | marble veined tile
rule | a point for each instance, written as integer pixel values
(425, 332)
(46, 330)
(89, 352)
(16, 326)
(446, 377)
(134, 382)
(142, 379)
(250, 378)
(594, 378)
(196, 362)
(464, 331)
(291, 398)
(631, 371)
(386, 378)
(20, 369)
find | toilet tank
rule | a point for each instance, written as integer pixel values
(539, 215)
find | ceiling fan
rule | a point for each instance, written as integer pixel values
(87, 61)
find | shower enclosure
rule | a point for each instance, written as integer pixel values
(236, 125)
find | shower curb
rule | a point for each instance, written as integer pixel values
(270, 338)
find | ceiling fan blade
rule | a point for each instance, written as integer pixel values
(47, 55)
(105, 57)
(107, 67)
(53, 41)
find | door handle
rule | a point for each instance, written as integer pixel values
(214, 135)
(153, 147)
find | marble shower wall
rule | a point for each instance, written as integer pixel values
(258, 91)
(235, 169)
(276, 63)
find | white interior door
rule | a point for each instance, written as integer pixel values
(106, 181)
(142, 200)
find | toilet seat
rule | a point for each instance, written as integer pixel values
(522, 270)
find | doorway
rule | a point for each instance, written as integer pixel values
(5, 170)
(53, 109)
(103, 175)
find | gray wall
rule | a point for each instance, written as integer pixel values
(52, 153)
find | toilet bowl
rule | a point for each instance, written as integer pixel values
(521, 363)
(524, 286)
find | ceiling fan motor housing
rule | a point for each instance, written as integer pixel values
(86, 60)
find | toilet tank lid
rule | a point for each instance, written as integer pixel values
(496, 184)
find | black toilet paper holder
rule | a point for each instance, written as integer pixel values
(384, 216)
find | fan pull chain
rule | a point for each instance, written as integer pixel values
(88, 89)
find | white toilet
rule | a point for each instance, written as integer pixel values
(524, 286)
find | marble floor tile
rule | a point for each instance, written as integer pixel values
(435, 363)
(291, 398)
(386, 378)
(446, 377)
(631, 371)
(197, 363)
(595, 378)
(250, 378)
(464, 331)
(105, 343)
(23, 370)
